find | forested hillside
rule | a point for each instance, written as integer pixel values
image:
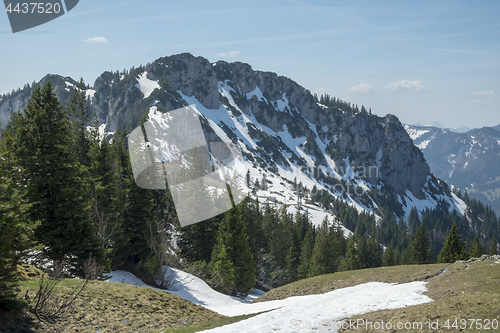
(68, 194)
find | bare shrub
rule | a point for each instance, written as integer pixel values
(48, 304)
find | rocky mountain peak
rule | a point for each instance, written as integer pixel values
(279, 125)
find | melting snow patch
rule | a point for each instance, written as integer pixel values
(415, 133)
(145, 85)
(282, 104)
(321, 313)
(90, 93)
(256, 92)
(459, 203)
(422, 145)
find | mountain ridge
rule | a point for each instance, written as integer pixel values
(464, 159)
(282, 130)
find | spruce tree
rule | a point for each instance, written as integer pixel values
(14, 234)
(306, 254)
(420, 249)
(351, 259)
(453, 247)
(322, 255)
(198, 240)
(476, 249)
(389, 258)
(55, 185)
(107, 205)
(363, 253)
(232, 257)
(79, 114)
(222, 268)
(375, 253)
(493, 246)
(130, 249)
(413, 220)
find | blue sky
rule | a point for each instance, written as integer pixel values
(423, 61)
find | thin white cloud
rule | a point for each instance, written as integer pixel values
(478, 102)
(363, 89)
(406, 86)
(484, 93)
(101, 40)
(228, 54)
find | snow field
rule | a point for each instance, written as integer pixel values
(311, 313)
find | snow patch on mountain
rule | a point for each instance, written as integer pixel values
(409, 201)
(415, 133)
(89, 93)
(258, 93)
(422, 145)
(145, 85)
(282, 104)
(69, 85)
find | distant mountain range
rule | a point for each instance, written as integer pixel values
(470, 161)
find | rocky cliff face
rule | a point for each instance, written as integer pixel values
(276, 122)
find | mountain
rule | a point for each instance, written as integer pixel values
(469, 160)
(366, 160)
(296, 151)
(462, 129)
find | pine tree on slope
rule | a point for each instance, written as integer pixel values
(40, 139)
(493, 246)
(13, 234)
(453, 247)
(306, 254)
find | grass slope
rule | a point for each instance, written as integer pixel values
(466, 297)
(115, 307)
(460, 291)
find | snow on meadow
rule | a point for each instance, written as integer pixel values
(318, 313)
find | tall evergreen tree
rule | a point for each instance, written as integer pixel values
(322, 259)
(232, 258)
(198, 240)
(453, 247)
(130, 248)
(222, 268)
(375, 253)
(413, 220)
(108, 204)
(306, 254)
(389, 258)
(79, 114)
(493, 246)
(54, 183)
(363, 253)
(14, 234)
(351, 259)
(419, 249)
(476, 249)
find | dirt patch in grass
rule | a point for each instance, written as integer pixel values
(115, 307)
(325, 283)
